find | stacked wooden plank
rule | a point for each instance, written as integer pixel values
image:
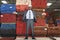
(40, 31)
(22, 5)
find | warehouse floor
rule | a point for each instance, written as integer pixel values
(38, 38)
(22, 38)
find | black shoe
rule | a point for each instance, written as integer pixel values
(33, 37)
(54, 39)
(26, 38)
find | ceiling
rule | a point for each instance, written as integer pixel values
(55, 5)
(11, 1)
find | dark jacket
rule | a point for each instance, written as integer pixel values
(24, 16)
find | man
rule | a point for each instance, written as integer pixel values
(29, 17)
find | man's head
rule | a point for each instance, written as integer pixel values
(29, 7)
(43, 15)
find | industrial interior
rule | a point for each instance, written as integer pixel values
(46, 27)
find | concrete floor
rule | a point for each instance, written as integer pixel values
(37, 38)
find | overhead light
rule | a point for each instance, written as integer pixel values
(49, 4)
(56, 9)
(4, 2)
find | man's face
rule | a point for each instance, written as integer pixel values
(30, 8)
(43, 16)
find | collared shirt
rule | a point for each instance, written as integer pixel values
(29, 15)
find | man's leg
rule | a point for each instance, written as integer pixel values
(32, 27)
(27, 29)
